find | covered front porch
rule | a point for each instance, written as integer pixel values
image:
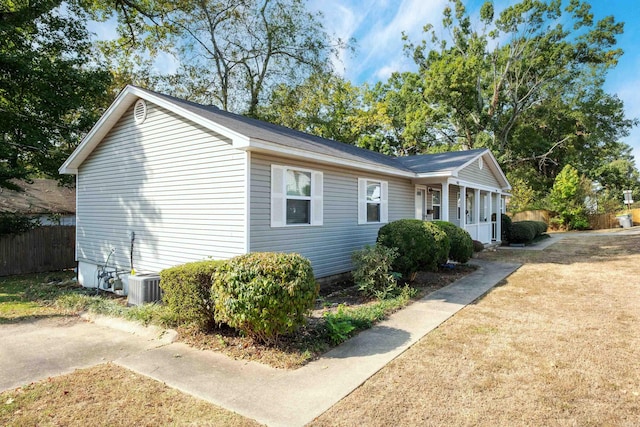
(473, 207)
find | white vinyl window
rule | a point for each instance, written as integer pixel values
(436, 202)
(458, 205)
(372, 201)
(296, 196)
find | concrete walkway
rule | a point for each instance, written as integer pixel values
(293, 398)
(33, 351)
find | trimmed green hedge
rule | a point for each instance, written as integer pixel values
(526, 231)
(461, 249)
(186, 291)
(421, 245)
(506, 227)
(264, 294)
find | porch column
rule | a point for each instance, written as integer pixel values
(498, 217)
(489, 215)
(463, 207)
(444, 202)
(476, 206)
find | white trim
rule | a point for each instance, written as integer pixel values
(75, 250)
(460, 183)
(433, 205)
(422, 188)
(299, 154)
(362, 201)
(115, 111)
(496, 167)
(279, 196)
(247, 209)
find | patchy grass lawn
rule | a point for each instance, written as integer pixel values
(108, 395)
(558, 343)
(26, 298)
(339, 307)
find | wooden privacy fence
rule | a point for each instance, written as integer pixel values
(535, 215)
(39, 250)
(596, 221)
(603, 221)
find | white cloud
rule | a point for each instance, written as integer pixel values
(378, 25)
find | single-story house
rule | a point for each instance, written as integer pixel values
(41, 199)
(162, 181)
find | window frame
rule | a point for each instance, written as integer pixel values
(433, 204)
(279, 197)
(363, 202)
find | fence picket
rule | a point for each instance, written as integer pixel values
(37, 251)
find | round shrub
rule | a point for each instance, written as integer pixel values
(264, 294)
(419, 247)
(443, 243)
(478, 246)
(186, 291)
(462, 246)
(522, 232)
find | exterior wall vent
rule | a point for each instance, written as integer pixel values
(140, 111)
(480, 163)
(144, 288)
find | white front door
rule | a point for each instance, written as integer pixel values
(421, 199)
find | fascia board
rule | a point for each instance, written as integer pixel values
(495, 167)
(97, 132)
(469, 184)
(115, 111)
(268, 147)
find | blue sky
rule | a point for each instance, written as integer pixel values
(377, 26)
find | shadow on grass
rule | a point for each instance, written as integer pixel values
(32, 318)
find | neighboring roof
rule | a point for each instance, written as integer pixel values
(43, 196)
(256, 135)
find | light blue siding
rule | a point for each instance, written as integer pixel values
(329, 246)
(178, 186)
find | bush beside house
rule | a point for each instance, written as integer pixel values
(186, 291)
(264, 294)
(261, 294)
(416, 244)
(461, 244)
(526, 231)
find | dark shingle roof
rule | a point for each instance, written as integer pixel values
(258, 130)
(440, 162)
(286, 137)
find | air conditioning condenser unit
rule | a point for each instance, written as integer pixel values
(144, 288)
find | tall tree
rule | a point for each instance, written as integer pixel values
(48, 89)
(232, 52)
(527, 83)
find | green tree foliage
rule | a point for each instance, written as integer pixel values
(526, 83)
(568, 197)
(324, 104)
(232, 52)
(49, 86)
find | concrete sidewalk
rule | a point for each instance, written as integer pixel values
(37, 350)
(293, 398)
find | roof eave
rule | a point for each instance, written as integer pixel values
(115, 111)
(273, 148)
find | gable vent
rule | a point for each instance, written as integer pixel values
(140, 111)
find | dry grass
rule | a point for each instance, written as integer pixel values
(557, 344)
(108, 395)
